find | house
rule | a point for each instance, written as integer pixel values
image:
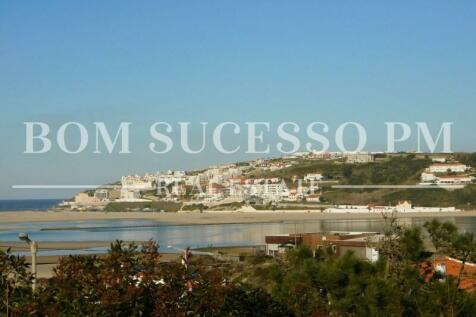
(136, 182)
(171, 177)
(101, 194)
(86, 199)
(278, 244)
(428, 177)
(178, 189)
(448, 167)
(294, 196)
(315, 198)
(404, 206)
(192, 180)
(313, 177)
(269, 191)
(361, 244)
(441, 267)
(130, 195)
(439, 159)
(236, 180)
(107, 195)
(455, 179)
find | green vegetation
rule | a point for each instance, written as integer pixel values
(130, 281)
(15, 285)
(464, 198)
(461, 198)
(466, 158)
(303, 167)
(395, 170)
(146, 205)
(323, 284)
(194, 207)
(228, 206)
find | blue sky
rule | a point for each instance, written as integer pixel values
(217, 61)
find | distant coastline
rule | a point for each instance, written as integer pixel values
(28, 204)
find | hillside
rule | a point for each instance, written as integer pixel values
(404, 169)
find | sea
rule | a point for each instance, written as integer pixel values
(27, 204)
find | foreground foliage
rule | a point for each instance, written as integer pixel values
(326, 285)
(130, 281)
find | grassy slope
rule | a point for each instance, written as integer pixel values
(398, 170)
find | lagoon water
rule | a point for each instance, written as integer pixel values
(195, 236)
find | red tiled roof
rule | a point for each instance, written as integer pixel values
(452, 268)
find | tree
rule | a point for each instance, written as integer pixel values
(131, 281)
(462, 246)
(15, 285)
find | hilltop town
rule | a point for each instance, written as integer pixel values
(309, 181)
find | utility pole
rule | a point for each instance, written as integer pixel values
(33, 249)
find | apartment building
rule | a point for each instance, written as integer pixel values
(359, 158)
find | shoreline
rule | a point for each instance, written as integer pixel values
(208, 218)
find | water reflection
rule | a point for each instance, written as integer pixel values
(196, 235)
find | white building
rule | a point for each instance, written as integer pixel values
(237, 191)
(455, 179)
(439, 159)
(178, 189)
(129, 195)
(359, 157)
(313, 177)
(86, 199)
(101, 194)
(401, 207)
(171, 177)
(136, 182)
(404, 206)
(294, 196)
(192, 180)
(428, 177)
(214, 189)
(315, 198)
(448, 167)
(268, 191)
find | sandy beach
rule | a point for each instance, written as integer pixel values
(207, 217)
